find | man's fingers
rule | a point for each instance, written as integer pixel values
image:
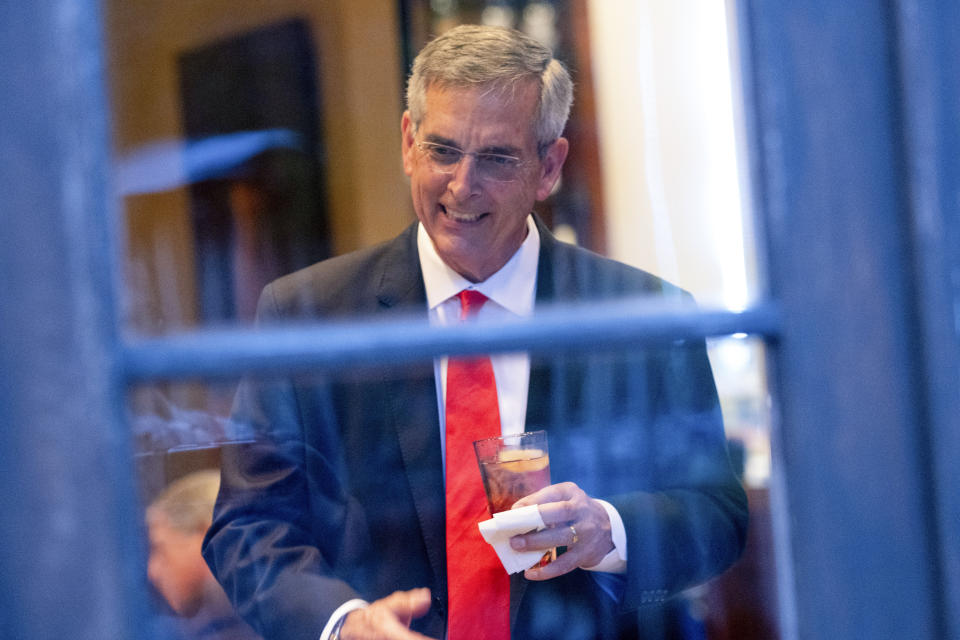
(388, 618)
(408, 605)
(560, 536)
(585, 552)
(553, 493)
(574, 520)
(563, 564)
(560, 513)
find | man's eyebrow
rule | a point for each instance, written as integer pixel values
(435, 139)
(503, 150)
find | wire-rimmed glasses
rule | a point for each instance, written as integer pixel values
(495, 167)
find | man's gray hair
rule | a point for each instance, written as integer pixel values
(500, 58)
(188, 502)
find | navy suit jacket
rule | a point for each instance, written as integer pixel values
(339, 491)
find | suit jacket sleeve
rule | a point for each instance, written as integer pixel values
(642, 428)
(690, 522)
(273, 559)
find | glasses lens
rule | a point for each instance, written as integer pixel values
(442, 157)
(490, 166)
(496, 167)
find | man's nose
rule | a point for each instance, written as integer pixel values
(464, 181)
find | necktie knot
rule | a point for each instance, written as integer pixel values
(470, 303)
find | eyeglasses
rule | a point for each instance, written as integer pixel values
(495, 167)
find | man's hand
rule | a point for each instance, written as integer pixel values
(388, 618)
(574, 520)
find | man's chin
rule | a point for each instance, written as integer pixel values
(463, 259)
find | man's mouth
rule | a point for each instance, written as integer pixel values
(461, 216)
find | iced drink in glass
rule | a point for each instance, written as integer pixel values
(513, 467)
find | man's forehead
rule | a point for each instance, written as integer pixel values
(499, 114)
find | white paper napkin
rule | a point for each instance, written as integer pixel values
(504, 525)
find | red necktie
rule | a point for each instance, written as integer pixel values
(478, 588)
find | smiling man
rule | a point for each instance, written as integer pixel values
(353, 514)
(475, 207)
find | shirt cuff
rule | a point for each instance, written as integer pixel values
(616, 560)
(342, 610)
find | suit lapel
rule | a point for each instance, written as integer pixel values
(414, 414)
(412, 398)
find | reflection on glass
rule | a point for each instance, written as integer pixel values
(236, 199)
(177, 520)
(358, 426)
(659, 190)
(742, 602)
(738, 365)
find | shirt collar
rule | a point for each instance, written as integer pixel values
(513, 287)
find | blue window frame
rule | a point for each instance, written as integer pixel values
(853, 131)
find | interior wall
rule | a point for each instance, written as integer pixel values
(360, 82)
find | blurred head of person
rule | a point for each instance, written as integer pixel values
(177, 521)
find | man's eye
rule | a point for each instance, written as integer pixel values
(445, 153)
(494, 159)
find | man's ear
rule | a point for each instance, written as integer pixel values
(550, 167)
(406, 142)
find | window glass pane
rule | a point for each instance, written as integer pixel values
(250, 144)
(350, 464)
(248, 148)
